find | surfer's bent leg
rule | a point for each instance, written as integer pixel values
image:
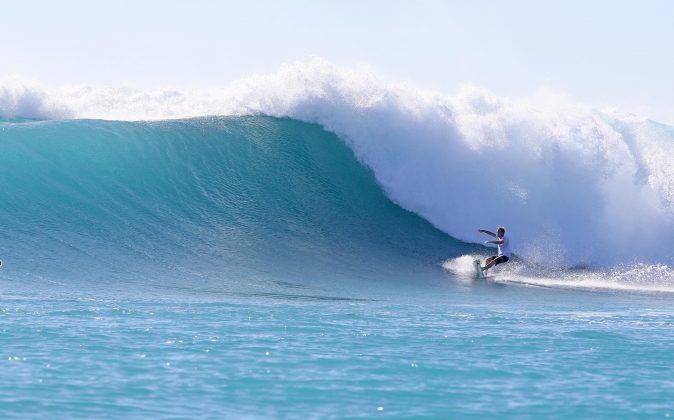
(492, 261)
(488, 263)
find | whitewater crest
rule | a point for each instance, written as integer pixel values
(572, 185)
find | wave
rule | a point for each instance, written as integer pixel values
(572, 185)
(200, 201)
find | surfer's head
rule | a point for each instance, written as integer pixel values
(500, 231)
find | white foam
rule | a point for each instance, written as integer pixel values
(571, 184)
(633, 278)
(462, 266)
(23, 99)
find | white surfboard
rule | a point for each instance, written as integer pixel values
(478, 269)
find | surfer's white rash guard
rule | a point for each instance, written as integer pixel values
(504, 248)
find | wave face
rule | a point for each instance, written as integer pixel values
(209, 199)
(574, 186)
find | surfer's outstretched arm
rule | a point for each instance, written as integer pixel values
(487, 232)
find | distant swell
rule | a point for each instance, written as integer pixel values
(572, 185)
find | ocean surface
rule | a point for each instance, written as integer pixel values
(299, 245)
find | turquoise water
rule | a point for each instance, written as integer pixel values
(253, 267)
(474, 350)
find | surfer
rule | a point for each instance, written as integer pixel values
(503, 248)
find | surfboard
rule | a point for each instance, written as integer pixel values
(0, 263)
(478, 269)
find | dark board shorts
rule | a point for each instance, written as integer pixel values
(499, 260)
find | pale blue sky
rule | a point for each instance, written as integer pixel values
(600, 52)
